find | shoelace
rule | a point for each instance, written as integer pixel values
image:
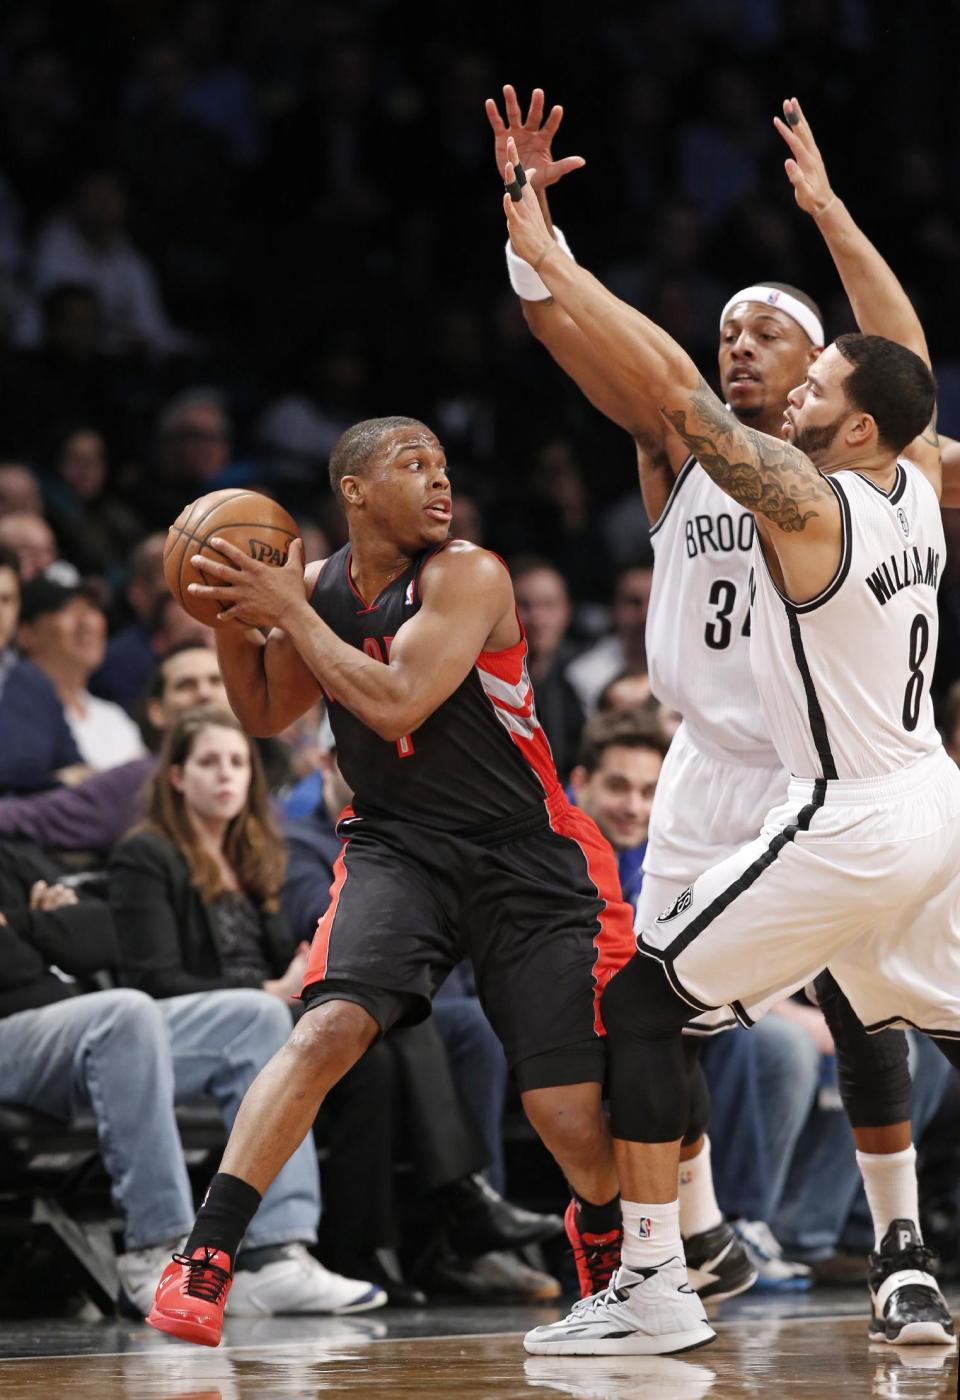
(206, 1280)
(916, 1256)
(599, 1259)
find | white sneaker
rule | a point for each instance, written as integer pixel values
(764, 1252)
(139, 1270)
(644, 1312)
(296, 1283)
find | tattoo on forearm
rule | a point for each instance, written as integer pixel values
(770, 478)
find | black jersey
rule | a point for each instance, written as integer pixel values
(479, 759)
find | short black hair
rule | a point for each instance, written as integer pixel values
(807, 301)
(10, 559)
(629, 729)
(355, 448)
(891, 383)
(158, 678)
(522, 564)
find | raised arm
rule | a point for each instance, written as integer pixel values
(876, 296)
(791, 499)
(659, 455)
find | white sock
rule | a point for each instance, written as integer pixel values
(651, 1234)
(890, 1181)
(698, 1204)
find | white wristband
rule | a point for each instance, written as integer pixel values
(525, 282)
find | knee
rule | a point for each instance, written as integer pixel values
(267, 1018)
(332, 1037)
(569, 1124)
(127, 1013)
(640, 1004)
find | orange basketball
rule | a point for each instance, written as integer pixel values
(252, 522)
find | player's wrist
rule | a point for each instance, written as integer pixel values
(524, 279)
(828, 206)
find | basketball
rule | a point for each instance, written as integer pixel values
(252, 522)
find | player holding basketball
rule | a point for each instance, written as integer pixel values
(460, 839)
(858, 867)
(722, 774)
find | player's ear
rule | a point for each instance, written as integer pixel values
(351, 488)
(861, 429)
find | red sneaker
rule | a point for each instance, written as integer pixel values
(191, 1295)
(597, 1257)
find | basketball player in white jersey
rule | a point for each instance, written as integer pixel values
(860, 866)
(722, 774)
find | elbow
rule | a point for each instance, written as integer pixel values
(393, 725)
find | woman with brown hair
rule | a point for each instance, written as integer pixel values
(194, 896)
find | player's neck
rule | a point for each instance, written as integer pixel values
(880, 467)
(375, 563)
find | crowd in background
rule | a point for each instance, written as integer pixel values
(228, 233)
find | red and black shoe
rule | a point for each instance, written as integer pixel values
(191, 1296)
(597, 1257)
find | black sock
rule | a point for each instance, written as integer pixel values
(597, 1220)
(228, 1207)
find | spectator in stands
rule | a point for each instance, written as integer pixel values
(614, 781)
(19, 490)
(625, 648)
(195, 896)
(95, 529)
(96, 813)
(37, 748)
(63, 630)
(131, 656)
(543, 602)
(454, 1077)
(193, 448)
(30, 536)
(88, 244)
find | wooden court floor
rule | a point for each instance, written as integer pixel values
(764, 1349)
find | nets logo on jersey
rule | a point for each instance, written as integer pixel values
(679, 906)
(903, 521)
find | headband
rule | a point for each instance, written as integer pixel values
(806, 319)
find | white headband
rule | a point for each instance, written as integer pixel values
(806, 319)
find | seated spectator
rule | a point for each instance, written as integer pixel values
(543, 603)
(94, 529)
(614, 781)
(194, 442)
(625, 647)
(88, 244)
(32, 540)
(37, 748)
(99, 811)
(195, 897)
(454, 1076)
(131, 658)
(63, 630)
(19, 490)
(630, 690)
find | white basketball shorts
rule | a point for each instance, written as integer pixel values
(861, 875)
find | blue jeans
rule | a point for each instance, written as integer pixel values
(762, 1083)
(823, 1187)
(479, 1069)
(129, 1059)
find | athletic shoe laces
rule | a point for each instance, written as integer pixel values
(915, 1256)
(600, 1258)
(205, 1280)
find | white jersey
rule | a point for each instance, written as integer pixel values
(844, 679)
(698, 620)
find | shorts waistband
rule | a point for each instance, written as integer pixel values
(885, 787)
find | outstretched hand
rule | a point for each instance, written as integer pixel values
(528, 232)
(805, 168)
(533, 137)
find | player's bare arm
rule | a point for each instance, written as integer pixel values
(878, 300)
(769, 477)
(659, 455)
(267, 683)
(467, 605)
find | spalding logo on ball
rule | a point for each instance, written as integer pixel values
(252, 522)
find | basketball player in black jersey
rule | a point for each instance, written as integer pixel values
(460, 840)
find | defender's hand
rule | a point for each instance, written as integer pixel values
(528, 233)
(533, 140)
(805, 168)
(252, 593)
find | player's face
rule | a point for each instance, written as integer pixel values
(763, 354)
(215, 778)
(407, 489)
(618, 794)
(817, 408)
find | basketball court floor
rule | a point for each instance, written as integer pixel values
(810, 1346)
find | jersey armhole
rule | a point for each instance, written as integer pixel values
(681, 477)
(842, 569)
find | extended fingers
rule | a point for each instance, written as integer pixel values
(552, 124)
(511, 106)
(494, 117)
(213, 567)
(535, 110)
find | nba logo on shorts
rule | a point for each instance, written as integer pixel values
(645, 1227)
(681, 903)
